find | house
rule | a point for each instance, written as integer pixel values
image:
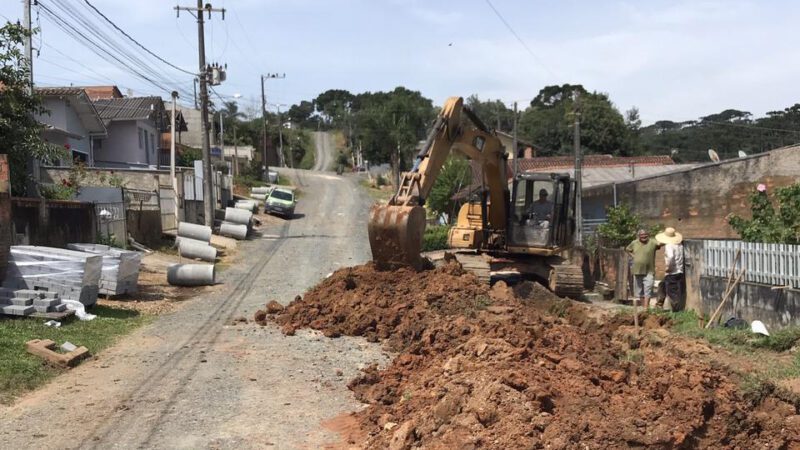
(71, 121)
(696, 199)
(134, 128)
(524, 149)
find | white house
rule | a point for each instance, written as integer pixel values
(134, 131)
(71, 121)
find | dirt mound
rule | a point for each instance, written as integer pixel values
(503, 368)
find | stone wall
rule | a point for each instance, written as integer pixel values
(144, 179)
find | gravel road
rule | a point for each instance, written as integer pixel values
(325, 148)
(193, 379)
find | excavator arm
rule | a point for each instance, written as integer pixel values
(396, 229)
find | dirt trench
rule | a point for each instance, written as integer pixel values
(506, 369)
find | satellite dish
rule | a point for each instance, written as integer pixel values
(713, 155)
(742, 154)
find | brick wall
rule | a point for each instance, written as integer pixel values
(5, 215)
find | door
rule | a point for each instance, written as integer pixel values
(533, 210)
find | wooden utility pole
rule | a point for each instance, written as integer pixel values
(264, 116)
(208, 173)
(578, 172)
(515, 144)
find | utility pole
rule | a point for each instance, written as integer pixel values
(578, 173)
(280, 140)
(264, 116)
(208, 173)
(194, 85)
(516, 144)
(26, 18)
(235, 152)
(172, 154)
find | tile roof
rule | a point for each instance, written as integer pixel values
(545, 163)
(53, 91)
(128, 108)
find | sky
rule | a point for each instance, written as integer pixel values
(674, 60)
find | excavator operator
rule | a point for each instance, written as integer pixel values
(540, 210)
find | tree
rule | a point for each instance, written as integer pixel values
(455, 175)
(549, 120)
(20, 132)
(621, 227)
(302, 114)
(334, 105)
(494, 113)
(768, 224)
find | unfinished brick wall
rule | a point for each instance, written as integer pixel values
(5, 214)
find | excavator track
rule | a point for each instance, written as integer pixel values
(566, 280)
(476, 264)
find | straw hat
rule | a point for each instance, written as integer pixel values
(669, 236)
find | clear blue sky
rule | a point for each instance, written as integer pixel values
(672, 59)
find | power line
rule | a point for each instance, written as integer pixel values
(511, 29)
(137, 42)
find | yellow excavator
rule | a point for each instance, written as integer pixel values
(518, 226)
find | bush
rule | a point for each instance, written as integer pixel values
(768, 224)
(621, 227)
(435, 238)
(188, 156)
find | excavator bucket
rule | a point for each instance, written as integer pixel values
(395, 235)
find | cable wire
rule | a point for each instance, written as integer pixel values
(522, 42)
(137, 42)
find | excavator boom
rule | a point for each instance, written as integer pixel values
(396, 229)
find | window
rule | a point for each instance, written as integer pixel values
(139, 131)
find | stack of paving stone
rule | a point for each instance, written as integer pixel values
(120, 273)
(24, 302)
(72, 275)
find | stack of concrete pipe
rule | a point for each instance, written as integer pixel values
(236, 224)
(260, 193)
(193, 242)
(249, 205)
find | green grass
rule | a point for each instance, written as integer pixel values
(435, 238)
(248, 181)
(687, 323)
(21, 371)
(375, 193)
(309, 158)
(284, 180)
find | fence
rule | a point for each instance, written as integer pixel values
(775, 264)
(143, 213)
(590, 225)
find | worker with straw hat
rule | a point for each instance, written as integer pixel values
(673, 263)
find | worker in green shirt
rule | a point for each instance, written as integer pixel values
(643, 251)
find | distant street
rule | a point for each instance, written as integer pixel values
(326, 150)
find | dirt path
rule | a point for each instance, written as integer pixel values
(325, 147)
(193, 379)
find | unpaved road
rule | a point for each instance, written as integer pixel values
(325, 147)
(192, 379)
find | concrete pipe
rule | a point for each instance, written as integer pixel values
(192, 248)
(236, 215)
(190, 274)
(194, 231)
(260, 190)
(260, 197)
(247, 205)
(234, 230)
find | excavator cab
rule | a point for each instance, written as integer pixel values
(541, 216)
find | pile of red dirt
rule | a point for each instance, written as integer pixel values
(481, 368)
